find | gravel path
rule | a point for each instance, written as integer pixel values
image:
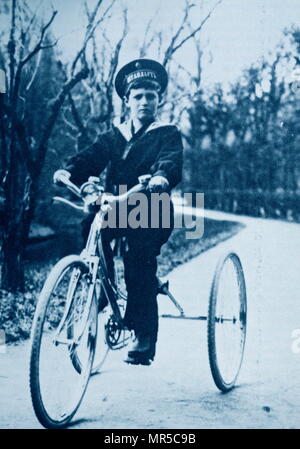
(177, 391)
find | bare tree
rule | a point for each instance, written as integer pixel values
(177, 41)
(91, 107)
(23, 154)
(148, 39)
(178, 95)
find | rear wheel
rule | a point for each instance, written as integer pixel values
(116, 337)
(227, 316)
(63, 342)
(119, 249)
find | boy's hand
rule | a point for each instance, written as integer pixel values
(58, 174)
(158, 184)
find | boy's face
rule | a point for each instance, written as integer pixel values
(143, 104)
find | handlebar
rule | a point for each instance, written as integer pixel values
(96, 195)
(70, 203)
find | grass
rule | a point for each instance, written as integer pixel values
(179, 250)
(17, 310)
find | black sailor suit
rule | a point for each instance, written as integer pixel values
(155, 149)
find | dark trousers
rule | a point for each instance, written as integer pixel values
(140, 263)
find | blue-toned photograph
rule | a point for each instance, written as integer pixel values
(149, 217)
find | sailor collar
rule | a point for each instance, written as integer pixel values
(125, 128)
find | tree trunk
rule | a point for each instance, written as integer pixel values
(17, 215)
(12, 276)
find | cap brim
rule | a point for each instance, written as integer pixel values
(147, 64)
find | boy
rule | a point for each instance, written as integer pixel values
(139, 146)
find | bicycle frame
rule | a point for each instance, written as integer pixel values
(97, 263)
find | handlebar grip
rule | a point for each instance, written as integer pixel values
(94, 179)
(62, 177)
(144, 179)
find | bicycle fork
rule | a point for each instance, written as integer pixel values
(93, 263)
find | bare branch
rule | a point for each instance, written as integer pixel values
(88, 88)
(95, 59)
(199, 52)
(77, 119)
(92, 15)
(70, 136)
(68, 86)
(178, 99)
(39, 45)
(172, 47)
(43, 47)
(90, 29)
(67, 122)
(184, 69)
(87, 10)
(107, 40)
(197, 29)
(115, 57)
(33, 17)
(160, 43)
(146, 45)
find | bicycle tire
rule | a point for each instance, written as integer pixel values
(101, 354)
(231, 323)
(101, 350)
(43, 328)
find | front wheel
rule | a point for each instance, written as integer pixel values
(227, 316)
(64, 331)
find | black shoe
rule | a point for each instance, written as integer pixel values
(142, 351)
(139, 358)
